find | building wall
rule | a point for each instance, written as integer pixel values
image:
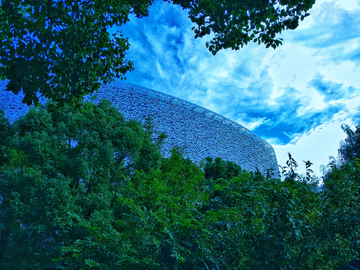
(202, 132)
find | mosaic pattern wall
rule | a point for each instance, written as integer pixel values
(202, 132)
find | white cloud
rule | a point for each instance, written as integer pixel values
(253, 124)
(349, 4)
(345, 72)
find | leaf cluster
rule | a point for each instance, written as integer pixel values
(62, 49)
(235, 23)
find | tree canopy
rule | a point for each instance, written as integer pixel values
(96, 194)
(62, 49)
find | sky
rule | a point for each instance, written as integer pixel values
(295, 97)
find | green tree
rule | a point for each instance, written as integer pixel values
(258, 222)
(58, 185)
(219, 168)
(350, 148)
(75, 196)
(262, 223)
(163, 207)
(68, 52)
(340, 214)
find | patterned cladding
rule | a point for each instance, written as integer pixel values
(203, 132)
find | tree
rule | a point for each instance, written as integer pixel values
(59, 183)
(64, 46)
(68, 52)
(219, 168)
(163, 206)
(340, 213)
(75, 196)
(350, 148)
(257, 222)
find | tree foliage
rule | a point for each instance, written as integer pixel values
(236, 23)
(60, 179)
(62, 50)
(350, 148)
(75, 196)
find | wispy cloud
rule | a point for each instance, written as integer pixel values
(332, 25)
(332, 90)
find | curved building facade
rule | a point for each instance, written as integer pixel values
(199, 131)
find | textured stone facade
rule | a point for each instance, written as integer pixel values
(202, 132)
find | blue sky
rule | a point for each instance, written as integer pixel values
(295, 97)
